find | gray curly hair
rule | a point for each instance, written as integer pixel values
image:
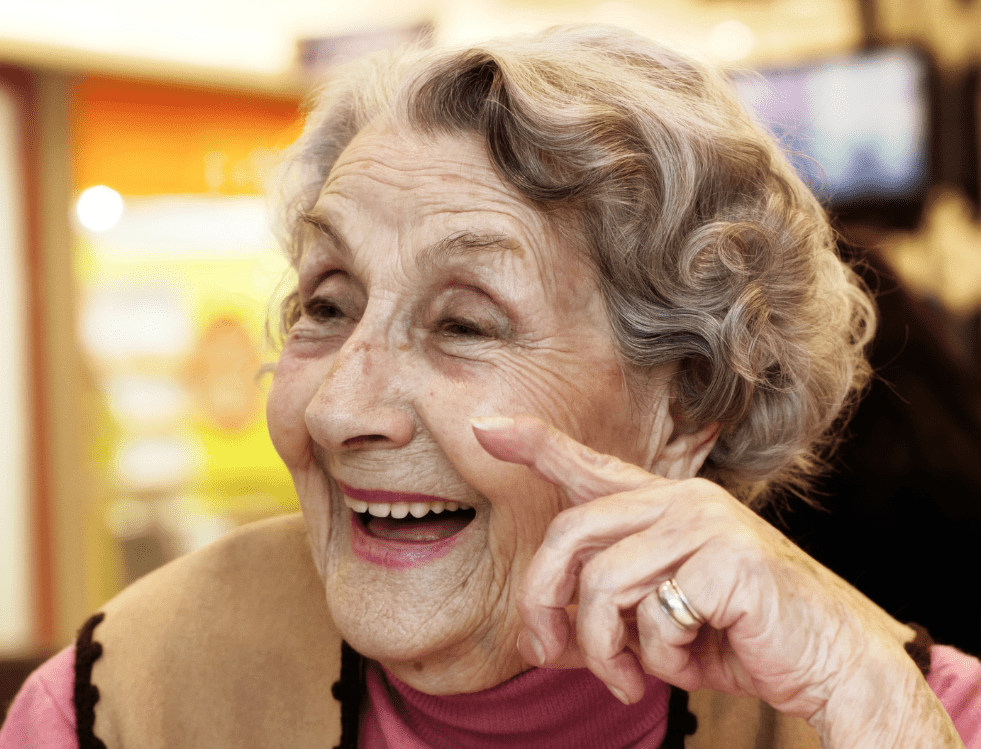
(710, 252)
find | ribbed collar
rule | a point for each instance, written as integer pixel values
(539, 709)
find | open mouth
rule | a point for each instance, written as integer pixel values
(419, 522)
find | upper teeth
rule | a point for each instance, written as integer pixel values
(399, 510)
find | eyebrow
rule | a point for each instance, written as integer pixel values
(464, 243)
(326, 228)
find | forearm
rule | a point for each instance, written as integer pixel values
(885, 703)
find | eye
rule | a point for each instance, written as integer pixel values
(458, 327)
(322, 309)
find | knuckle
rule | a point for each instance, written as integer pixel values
(750, 564)
(650, 660)
(596, 646)
(595, 580)
(565, 525)
(526, 607)
(530, 601)
(591, 575)
(594, 663)
(647, 612)
(716, 509)
(704, 486)
(597, 461)
(710, 498)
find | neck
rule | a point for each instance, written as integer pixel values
(540, 708)
(460, 675)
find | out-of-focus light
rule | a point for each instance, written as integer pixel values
(145, 402)
(120, 322)
(99, 208)
(157, 463)
(732, 40)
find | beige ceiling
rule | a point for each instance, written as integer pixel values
(252, 43)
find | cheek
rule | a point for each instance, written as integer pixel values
(293, 387)
(579, 394)
(523, 504)
(584, 396)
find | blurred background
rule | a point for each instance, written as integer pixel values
(137, 269)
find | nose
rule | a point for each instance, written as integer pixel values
(362, 403)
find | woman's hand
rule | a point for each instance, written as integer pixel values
(778, 625)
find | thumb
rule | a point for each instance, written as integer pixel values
(582, 473)
(564, 622)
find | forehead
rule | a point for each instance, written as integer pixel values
(421, 190)
(398, 157)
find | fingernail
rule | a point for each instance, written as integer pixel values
(622, 696)
(492, 423)
(536, 647)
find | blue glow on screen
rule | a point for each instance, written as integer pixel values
(855, 128)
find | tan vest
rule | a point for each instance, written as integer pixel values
(233, 647)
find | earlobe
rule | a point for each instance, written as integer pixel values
(686, 450)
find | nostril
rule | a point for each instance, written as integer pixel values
(364, 440)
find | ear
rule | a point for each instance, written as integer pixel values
(682, 456)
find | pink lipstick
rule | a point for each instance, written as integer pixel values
(390, 538)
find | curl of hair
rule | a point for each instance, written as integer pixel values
(710, 252)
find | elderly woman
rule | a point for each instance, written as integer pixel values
(564, 317)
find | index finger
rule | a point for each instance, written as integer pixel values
(582, 473)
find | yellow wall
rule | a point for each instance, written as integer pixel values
(207, 150)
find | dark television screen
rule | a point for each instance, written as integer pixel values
(857, 129)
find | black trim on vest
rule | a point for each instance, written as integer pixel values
(348, 690)
(681, 722)
(919, 648)
(85, 693)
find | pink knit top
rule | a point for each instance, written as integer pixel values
(540, 708)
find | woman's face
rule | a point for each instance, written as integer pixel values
(431, 294)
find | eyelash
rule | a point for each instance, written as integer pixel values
(460, 328)
(322, 309)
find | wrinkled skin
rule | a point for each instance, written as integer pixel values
(433, 295)
(399, 346)
(779, 626)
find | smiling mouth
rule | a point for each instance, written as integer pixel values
(419, 522)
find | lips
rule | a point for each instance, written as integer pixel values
(401, 529)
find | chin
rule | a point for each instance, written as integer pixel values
(399, 600)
